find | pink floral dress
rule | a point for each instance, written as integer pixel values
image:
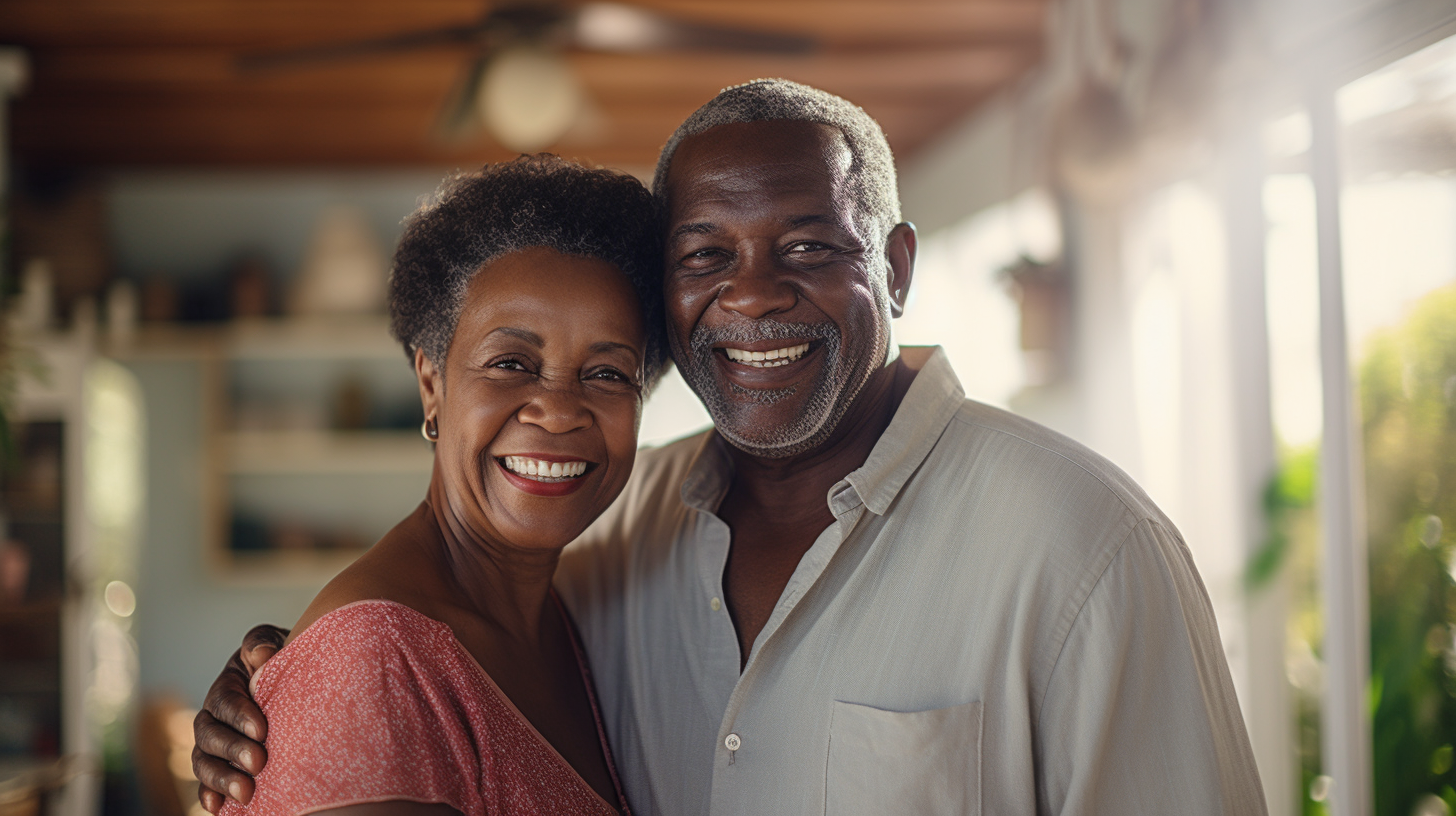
(376, 702)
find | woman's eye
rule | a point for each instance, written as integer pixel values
(610, 375)
(509, 365)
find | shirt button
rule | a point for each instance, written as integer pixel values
(715, 604)
(733, 742)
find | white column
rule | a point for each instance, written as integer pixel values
(1102, 347)
(1266, 697)
(1344, 567)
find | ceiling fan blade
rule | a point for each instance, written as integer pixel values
(607, 26)
(459, 118)
(333, 52)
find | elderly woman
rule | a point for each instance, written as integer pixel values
(438, 673)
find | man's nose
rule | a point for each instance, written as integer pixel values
(758, 288)
(557, 409)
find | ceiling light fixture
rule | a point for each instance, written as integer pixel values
(529, 97)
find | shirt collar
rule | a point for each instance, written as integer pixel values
(931, 401)
(710, 474)
(933, 398)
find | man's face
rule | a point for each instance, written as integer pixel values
(778, 311)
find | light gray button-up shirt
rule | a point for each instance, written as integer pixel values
(998, 622)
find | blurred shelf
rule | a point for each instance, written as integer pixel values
(364, 337)
(345, 338)
(266, 489)
(326, 452)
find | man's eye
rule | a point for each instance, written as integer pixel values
(702, 257)
(807, 246)
(509, 365)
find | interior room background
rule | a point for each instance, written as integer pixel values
(1214, 241)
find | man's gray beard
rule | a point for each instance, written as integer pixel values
(826, 405)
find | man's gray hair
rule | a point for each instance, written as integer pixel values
(871, 178)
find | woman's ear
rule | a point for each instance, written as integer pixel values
(900, 256)
(432, 386)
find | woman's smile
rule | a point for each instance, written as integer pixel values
(544, 469)
(545, 475)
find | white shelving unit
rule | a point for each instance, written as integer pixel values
(296, 481)
(325, 452)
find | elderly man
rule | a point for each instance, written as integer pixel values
(861, 592)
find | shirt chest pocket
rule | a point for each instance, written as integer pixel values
(922, 762)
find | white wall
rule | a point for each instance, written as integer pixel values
(189, 618)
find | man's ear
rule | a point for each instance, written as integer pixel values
(900, 253)
(432, 386)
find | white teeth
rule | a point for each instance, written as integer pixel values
(767, 359)
(543, 471)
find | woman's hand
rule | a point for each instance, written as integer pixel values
(230, 729)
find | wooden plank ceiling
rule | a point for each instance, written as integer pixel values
(154, 83)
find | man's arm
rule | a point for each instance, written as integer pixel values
(230, 729)
(1140, 716)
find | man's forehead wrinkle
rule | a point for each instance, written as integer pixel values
(798, 173)
(694, 228)
(728, 174)
(739, 186)
(832, 219)
(819, 146)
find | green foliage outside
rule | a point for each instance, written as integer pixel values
(1293, 544)
(1408, 401)
(1408, 404)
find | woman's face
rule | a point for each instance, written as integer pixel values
(541, 395)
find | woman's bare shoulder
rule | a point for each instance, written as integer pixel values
(391, 570)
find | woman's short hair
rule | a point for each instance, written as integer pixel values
(533, 201)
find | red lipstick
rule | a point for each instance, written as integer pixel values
(526, 484)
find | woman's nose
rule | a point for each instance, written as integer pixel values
(556, 410)
(757, 289)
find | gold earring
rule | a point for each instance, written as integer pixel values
(429, 431)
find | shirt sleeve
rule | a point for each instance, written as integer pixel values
(356, 716)
(1140, 715)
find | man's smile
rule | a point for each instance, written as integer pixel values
(772, 358)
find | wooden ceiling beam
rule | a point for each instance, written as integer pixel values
(227, 23)
(169, 69)
(913, 73)
(931, 70)
(154, 82)
(269, 24)
(223, 134)
(229, 120)
(848, 22)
